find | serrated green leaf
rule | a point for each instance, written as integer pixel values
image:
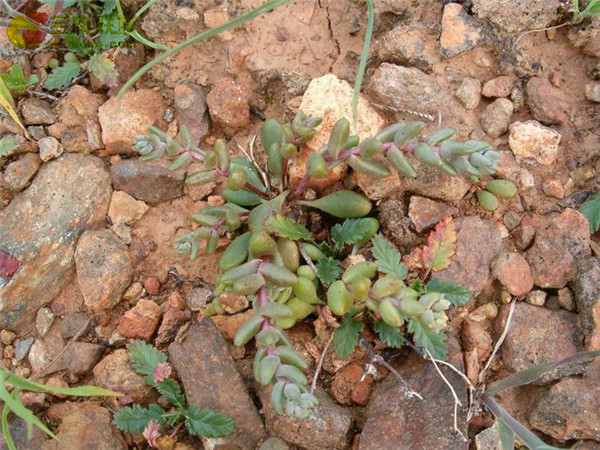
(133, 419)
(62, 76)
(328, 269)
(171, 391)
(108, 38)
(350, 232)
(286, 228)
(103, 69)
(424, 337)
(326, 249)
(591, 210)
(109, 7)
(207, 423)
(145, 358)
(8, 145)
(345, 337)
(457, 295)
(388, 334)
(388, 257)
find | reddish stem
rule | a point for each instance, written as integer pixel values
(256, 190)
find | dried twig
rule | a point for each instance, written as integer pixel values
(377, 359)
(500, 341)
(251, 157)
(313, 384)
(457, 401)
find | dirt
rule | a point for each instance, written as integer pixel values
(272, 59)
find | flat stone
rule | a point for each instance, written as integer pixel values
(531, 139)
(498, 87)
(538, 335)
(125, 209)
(542, 99)
(328, 428)
(44, 320)
(459, 31)
(331, 98)
(191, 109)
(514, 17)
(560, 242)
(20, 172)
(84, 426)
(122, 119)
(570, 409)
(140, 180)
(425, 213)
(478, 242)
(587, 297)
(115, 372)
(172, 321)
(22, 347)
(104, 269)
(37, 112)
(41, 227)
(210, 380)
(407, 46)
(395, 421)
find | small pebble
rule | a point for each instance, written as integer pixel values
(43, 320)
(22, 347)
(9, 352)
(566, 300)
(197, 298)
(536, 298)
(7, 337)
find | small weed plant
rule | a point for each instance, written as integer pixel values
(154, 420)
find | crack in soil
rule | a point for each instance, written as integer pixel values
(331, 34)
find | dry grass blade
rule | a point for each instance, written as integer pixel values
(533, 373)
(8, 104)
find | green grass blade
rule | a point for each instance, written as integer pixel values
(17, 407)
(363, 61)
(6, 430)
(507, 436)
(529, 439)
(533, 373)
(80, 391)
(266, 7)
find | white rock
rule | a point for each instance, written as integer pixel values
(50, 148)
(331, 98)
(531, 139)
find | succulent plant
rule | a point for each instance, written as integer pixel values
(287, 275)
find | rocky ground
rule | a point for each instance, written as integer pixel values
(92, 227)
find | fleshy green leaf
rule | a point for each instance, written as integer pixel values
(388, 258)
(8, 145)
(103, 69)
(328, 269)
(455, 294)
(207, 423)
(591, 210)
(171, 391)
(145, 358)
(424, 337)
(62, 76)
(388, 334)
(133, 419)
(286, 228)
(345, 337)
(350, 231)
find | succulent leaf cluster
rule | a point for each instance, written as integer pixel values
(287, 274)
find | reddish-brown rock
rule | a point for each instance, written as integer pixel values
(513, 272)
(36, 111)
(228, 105)
(172, 320)
(349, 386)
(18, 173)
(115, 372)
(587, 298)
(543, 102)
(538, 335)
(122, 119)
(84, 426)
(498, 87)
(104, 268)
(210, 380)
(459, 31)
(140, 322)
(425, 213)
(191, 109)
(125, 209)
(229, 325)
